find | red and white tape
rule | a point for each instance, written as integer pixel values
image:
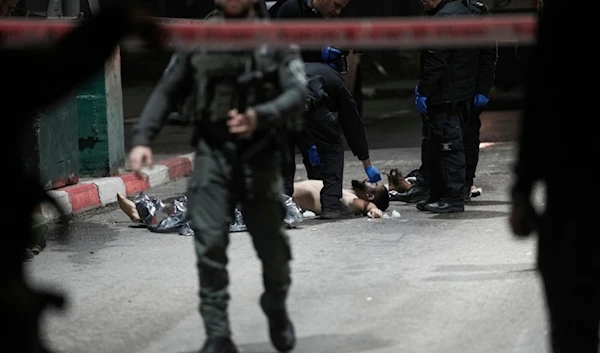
(365, 33)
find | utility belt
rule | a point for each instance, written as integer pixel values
(260, 148)
(217, 135)
(449, 107)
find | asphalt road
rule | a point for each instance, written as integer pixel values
(420, 283)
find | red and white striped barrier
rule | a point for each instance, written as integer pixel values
(399, 33)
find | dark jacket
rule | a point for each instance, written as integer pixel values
(448, 75)
(295, 9)
(488, 56)
(339, 100)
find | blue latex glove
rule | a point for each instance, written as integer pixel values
(421, 104)
(480, 100)
(416, 90)
(373, 174)
(329, 54)
(313, 156)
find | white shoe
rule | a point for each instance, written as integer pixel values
(475, 191)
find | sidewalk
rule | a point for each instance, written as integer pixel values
(173, 159)
(93, 193)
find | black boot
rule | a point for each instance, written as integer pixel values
(421, 205)
(218, 345)
(415, 194)
(445, 207)
(281, 329)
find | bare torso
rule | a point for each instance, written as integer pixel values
(307, 195)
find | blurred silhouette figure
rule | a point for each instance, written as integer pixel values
(568, 245)
(33, 77)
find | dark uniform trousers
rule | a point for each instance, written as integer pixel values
(471, 143)
(444, 164)
(214, 189)
(323, 129)
(288, 166)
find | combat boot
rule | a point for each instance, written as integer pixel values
(445, 207)
(281, 329)
(413, 195)
(218, 345)
(422, 205)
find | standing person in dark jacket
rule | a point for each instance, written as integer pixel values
(326, 119)
(312, 9)
(488, 57)
(73, 59)
(486, 67)
(568, 256)
(443, 97)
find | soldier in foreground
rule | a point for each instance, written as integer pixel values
(237, 160)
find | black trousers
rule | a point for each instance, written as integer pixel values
(422, 173)
(332, 171)
(444, 164)
(471, 143)
(288, 167)
(324, 131)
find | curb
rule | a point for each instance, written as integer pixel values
(94, 193)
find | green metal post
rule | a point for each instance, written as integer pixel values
(101, 129)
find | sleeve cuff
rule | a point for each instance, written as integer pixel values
(266, 116)
(139, 140)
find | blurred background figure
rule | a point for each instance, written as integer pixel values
(73, 59)
(568, 244)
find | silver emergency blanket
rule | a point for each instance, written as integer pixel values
(161, 217)
(293, 213)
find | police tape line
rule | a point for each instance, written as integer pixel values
(400, 33)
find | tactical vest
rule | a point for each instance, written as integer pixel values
(217, 87)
